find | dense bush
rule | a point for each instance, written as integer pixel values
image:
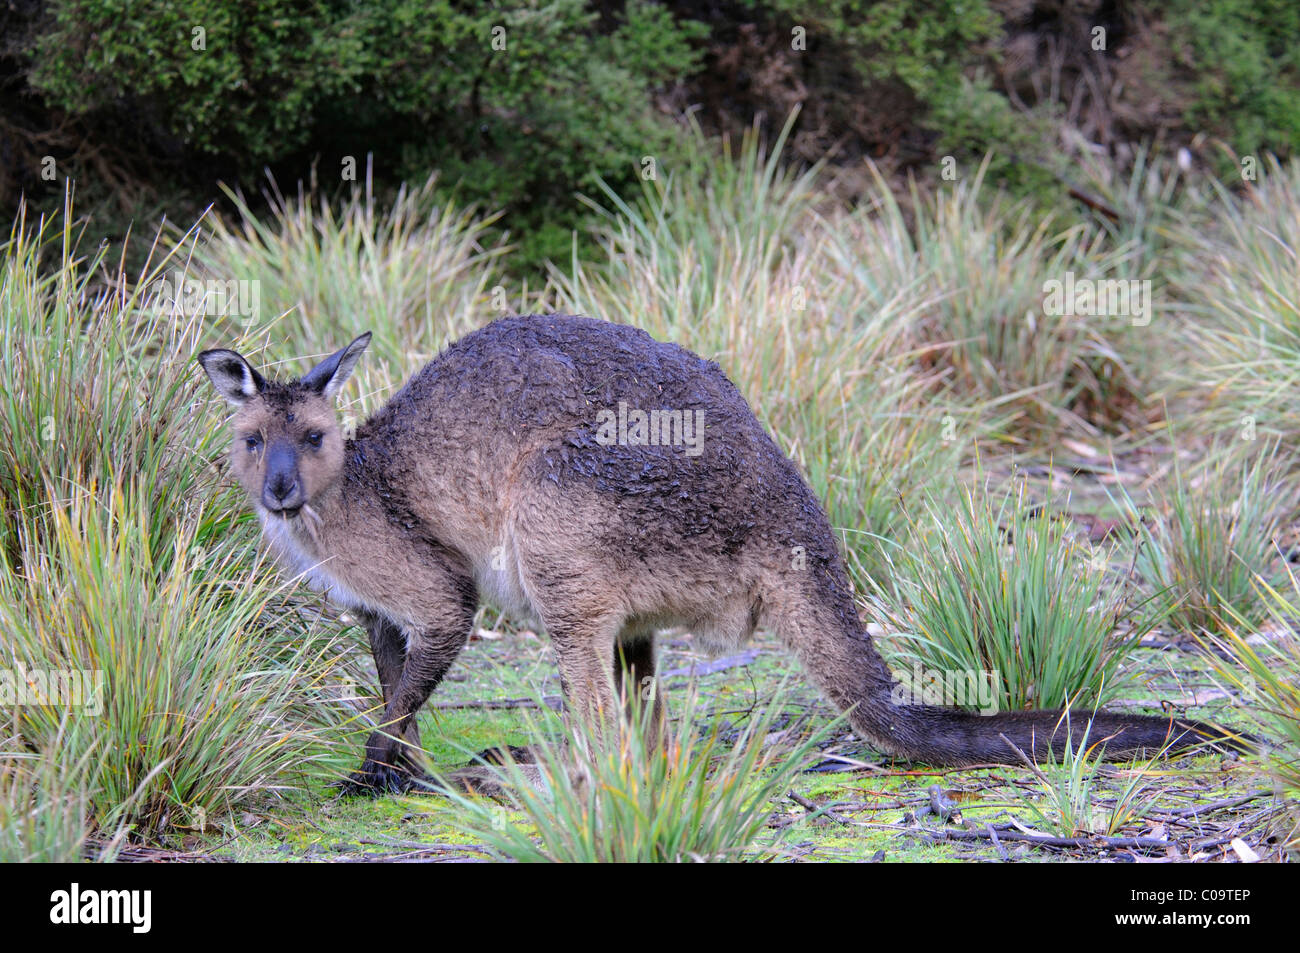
(521, 103)
(1244, 55)
(147, 104)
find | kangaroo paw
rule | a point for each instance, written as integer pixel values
(374, 780)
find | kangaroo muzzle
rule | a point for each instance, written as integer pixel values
(282, 489)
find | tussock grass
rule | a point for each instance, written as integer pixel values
(1265, 670)
(1214, 537)
(206, 692)
(1151, 198)
(1236, 277)
(701, 798)
(1070, 805)
(125, 562)
(96, 380)
(419, 272)
(1005, 587)
(980, 264)
(44, 803)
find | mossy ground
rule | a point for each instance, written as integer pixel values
(871, 810)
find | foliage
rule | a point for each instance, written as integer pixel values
(1215, 538)
(1244, 56)
(1266, 674)
(520, 104)
(1006, 589)
(698, 798)
(186, 685)
(1070, 805)
(1234, 276)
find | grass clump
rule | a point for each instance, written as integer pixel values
(1071, 805)
(418, 273)
(127, 571)
(1003, 589)
(701, 797)
(977, 272)
(1265, 671)
(199, 693)
(1237, 281)
(1216, 537)
(44, 803)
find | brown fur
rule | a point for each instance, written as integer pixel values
(484, 476)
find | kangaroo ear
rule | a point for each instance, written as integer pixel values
(329, 376)
(232, 376)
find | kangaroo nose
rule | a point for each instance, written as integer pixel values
(283, 486)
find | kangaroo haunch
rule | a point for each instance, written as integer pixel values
(606, 483)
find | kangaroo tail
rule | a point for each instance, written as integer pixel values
(950, 736)
(826, 635)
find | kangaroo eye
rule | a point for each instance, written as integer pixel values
(252, 443)
(314, 439)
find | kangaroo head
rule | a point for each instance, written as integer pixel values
(287, 446)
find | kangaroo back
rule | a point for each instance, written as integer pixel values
(731, 537)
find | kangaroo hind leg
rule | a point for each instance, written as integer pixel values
(635, 682)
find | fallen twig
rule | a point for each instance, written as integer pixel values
(553, 702)
(1217, 805)
(1047, 840)
(997, 844)
(716, 665)
(815, 809)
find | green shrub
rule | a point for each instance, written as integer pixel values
(1244, 57)
(925, 44)
(520, 119)
(218, 78)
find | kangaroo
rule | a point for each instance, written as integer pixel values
(520, 464)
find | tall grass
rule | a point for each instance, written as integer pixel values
(1002, 587)
(206, 692)
(417, 272)
(44, 803)
(97, 381)
(124, 562)
(699, 798)
(979, 265)
(1261, 661)
(1214, 537)
(1236, 280)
